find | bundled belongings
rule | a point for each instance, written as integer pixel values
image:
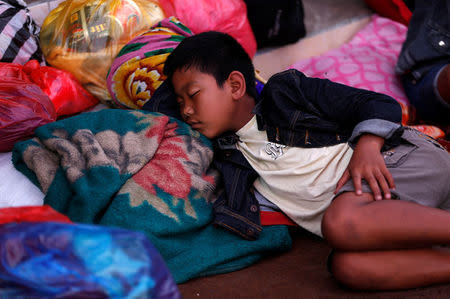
(137, 71)
(19, 35)
(84, 36)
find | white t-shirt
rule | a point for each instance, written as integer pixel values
(300, 181)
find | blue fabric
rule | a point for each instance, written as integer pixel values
(46, 260)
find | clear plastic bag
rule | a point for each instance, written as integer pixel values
(84, 36)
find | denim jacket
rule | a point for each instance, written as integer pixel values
(296, 110)
(428, 39)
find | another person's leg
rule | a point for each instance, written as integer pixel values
(443, 84)
(430, 96)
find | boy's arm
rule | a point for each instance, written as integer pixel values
(372, 116)
(362, 111)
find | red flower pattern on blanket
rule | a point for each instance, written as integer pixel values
(166, 170)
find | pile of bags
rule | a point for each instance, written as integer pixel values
(76, 58)
(79, 58)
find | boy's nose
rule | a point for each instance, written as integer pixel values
(187, 110)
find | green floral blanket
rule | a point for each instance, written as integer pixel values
(141, 171)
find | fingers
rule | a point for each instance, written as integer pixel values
(357, 183)
(387, 174)
(380, 182)
(344, 178)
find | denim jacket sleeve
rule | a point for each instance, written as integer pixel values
(379, 127)
(295, 101)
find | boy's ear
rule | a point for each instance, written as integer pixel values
(237, 83)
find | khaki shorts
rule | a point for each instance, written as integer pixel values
(420, 167)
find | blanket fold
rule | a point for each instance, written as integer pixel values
(146, 172)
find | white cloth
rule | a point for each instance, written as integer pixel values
(15, 188)
(300, 181)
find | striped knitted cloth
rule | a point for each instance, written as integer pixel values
(19, 35)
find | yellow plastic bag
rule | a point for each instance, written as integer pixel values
(84, 36)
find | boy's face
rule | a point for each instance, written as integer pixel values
(204, 105)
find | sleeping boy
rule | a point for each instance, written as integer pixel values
(333, 158)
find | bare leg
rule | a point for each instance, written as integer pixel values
(392, 270)
(354, 223)
(386, 245)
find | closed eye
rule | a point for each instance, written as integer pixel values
(193, 94)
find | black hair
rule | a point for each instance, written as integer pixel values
(214, 53)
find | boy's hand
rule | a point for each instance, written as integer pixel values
(367, 163)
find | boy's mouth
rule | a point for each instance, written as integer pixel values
(194, 124)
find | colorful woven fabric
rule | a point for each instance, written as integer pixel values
(137, 71)
(145, 172)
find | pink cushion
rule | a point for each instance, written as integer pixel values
(366, 62)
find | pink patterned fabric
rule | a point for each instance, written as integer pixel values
(366, 62)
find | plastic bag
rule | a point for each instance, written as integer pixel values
(19, 35)
(43, 213)
(228, 16)
(23, 106)
(84, 36)
(58, 260)
(63, 89)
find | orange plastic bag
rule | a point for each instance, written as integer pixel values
(228, 16)
(23, 106)
(84, 36)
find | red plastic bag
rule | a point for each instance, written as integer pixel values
(23, 106)
(63, 89)
(228, 16)
(395, 10)
(32, 214)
